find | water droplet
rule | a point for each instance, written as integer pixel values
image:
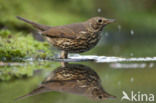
(119, 27)
(119, 83)
(99, 10)
(106, 34)
(131, 54)
(132, 32)
(151, 65)
(132, 79)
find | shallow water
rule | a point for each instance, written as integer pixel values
(121, 67)
(115, 77)
(95, 58)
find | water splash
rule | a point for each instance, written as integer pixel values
(98, 59)
(106, 59)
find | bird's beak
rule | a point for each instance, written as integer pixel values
(108, 21)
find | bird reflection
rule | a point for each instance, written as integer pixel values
(73, 78)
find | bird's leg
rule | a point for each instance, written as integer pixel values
(64, 54)
(64, 64)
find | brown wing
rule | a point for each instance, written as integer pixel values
(72, 31)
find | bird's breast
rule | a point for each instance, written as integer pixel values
(75, 45)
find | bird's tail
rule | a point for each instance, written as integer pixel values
(36, 25)
(36, 91)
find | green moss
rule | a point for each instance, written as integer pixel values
(17, 46)
(4, 33)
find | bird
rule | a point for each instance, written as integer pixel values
(73, 78)
(72, 38)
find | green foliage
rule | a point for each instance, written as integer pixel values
(47, 11)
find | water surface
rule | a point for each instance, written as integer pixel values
(116, 77)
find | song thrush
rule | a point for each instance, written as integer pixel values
(73, 38)
(73, 78)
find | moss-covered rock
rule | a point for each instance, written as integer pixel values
(16, 46)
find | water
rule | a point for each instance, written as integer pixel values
(117, 74)
(129, 67)
(105, 59)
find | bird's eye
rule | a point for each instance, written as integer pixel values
(100, 20)
(100, 97)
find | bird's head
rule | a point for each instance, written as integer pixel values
(100, 94)
(97, 23)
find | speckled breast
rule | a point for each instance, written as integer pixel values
(76, 46)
